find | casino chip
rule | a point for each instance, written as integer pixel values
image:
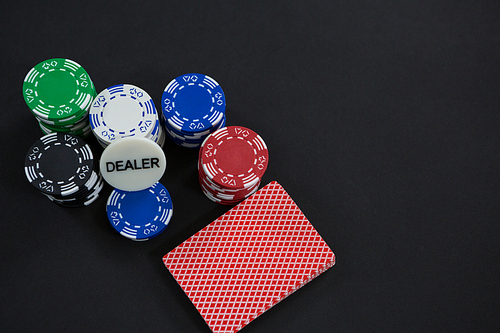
(62, 167)
(140, 215)
(59, 93)
(231, 164)
(132, 164)
(193, 107)
(125, 110)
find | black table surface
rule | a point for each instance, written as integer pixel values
(382, 122)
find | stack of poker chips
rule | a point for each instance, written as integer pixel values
(63, 168)
(140, 207)
(231, 164)
(125, 110)
(140, 215)
(59, 93)
(193, 107)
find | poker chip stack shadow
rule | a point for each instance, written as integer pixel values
(59, 93)
(193, 106)
(63, 168)
(125, 110)
(231, 164)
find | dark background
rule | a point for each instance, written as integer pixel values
(382, 122)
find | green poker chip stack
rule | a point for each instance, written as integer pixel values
(59, 93)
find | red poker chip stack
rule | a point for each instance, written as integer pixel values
(231, 163)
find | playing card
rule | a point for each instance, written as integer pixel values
(249, 259)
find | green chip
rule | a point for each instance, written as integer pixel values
(84, 122)
(58, 90)
(81, 132)
(76, 117)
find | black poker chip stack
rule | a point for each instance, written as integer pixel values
(62, 167)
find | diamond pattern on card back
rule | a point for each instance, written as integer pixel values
(249, 259)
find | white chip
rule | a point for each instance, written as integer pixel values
(122, 111)
(133, 164)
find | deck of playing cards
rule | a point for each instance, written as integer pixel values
(249, 259)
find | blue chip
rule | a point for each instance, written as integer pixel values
(192, 141)
(140, 215)
(193, 103)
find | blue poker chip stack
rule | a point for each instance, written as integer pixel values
(139, 207)
(193, 106)
(140, 215)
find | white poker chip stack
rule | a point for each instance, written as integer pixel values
(125, 110)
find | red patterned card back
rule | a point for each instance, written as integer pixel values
(249, 259)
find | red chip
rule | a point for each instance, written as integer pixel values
(208, 182)
(227, 198)
(234, 157)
